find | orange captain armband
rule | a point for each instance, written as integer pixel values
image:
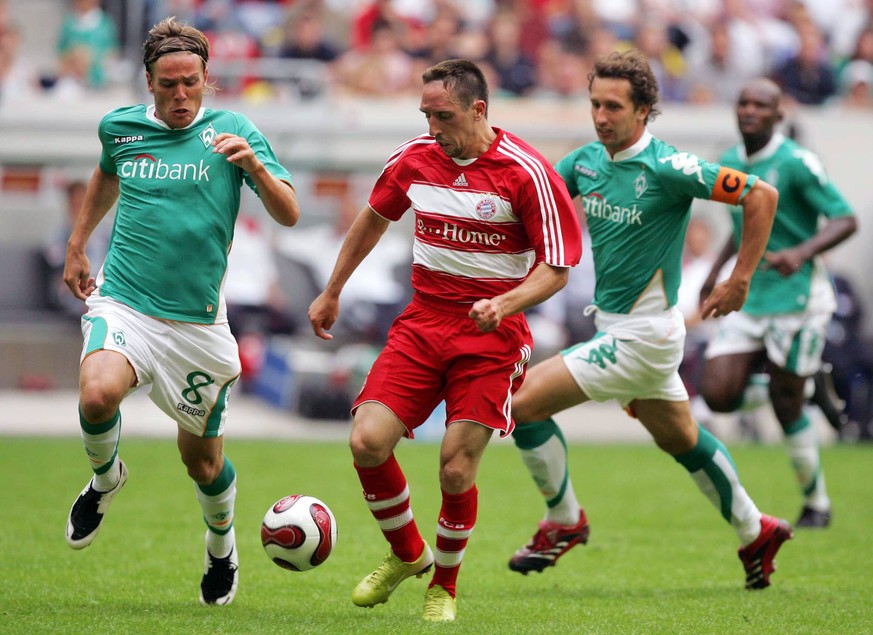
(729, 186)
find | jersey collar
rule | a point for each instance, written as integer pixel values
(764, 153)
(150, 115)
(629, 153)
(494, 144)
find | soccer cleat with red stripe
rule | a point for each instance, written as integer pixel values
(758, 558)
(550, 542)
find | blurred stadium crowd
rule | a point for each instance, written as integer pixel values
(703, 50)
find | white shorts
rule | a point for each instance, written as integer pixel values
(190, 367)
(793, 341)
(631, 357)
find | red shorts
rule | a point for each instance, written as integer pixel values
(436, 352)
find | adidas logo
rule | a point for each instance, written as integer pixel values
(461, 181)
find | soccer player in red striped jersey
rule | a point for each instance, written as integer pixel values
(495, 234)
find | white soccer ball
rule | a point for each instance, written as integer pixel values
(298, 532)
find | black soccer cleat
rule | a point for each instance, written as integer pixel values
(813, 519)
(86, 514)
(220, 579)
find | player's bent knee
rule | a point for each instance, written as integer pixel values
(722, 403)
(455, 479)
(368, 450)
(720, 400)
(98, 403)
(203, 470)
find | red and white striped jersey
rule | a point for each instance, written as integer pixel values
(480, 225)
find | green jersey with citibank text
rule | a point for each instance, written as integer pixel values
(637, 205)
(177, 207)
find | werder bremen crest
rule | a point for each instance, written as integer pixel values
(641, 184)
(208, 135)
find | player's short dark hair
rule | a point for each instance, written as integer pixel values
(171, 36)
(632, 65)
(463, 78)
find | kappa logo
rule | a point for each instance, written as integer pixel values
(129, 139)
(688, 164)
(581, 169)
(461, 181)
(194, 412)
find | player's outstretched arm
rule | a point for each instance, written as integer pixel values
(362, 236)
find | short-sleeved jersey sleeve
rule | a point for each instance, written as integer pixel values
(702, 179)
(815, 186)
(263, 150)
(388, 197)
(565, 169)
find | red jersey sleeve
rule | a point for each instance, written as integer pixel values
(547, 210)
(389, 196)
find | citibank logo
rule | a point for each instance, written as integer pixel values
(145, 166)
(596, 206)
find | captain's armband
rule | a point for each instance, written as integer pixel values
(729, 186)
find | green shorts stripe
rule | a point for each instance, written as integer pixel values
(97, 334)
(213, 423)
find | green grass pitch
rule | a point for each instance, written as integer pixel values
(660, 558)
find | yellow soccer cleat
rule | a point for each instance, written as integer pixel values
(377, 587)
(439, 606)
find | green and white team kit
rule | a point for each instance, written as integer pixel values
(176, 212)
(805, 194)
(637, 205)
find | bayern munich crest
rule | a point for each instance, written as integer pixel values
(486, 209)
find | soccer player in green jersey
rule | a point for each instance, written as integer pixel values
(784, 321)
(637, 193)
(156, 312)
